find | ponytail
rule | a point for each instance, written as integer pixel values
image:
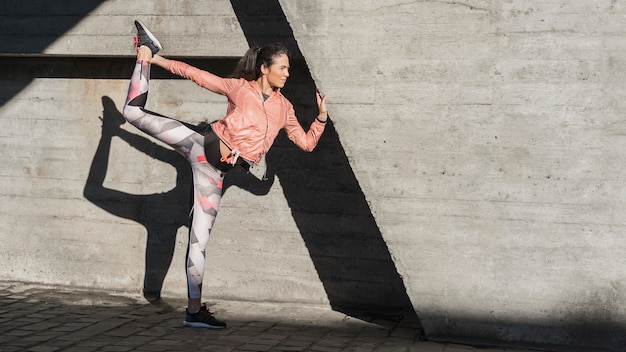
(249, 66)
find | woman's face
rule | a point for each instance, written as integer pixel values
(278, 72)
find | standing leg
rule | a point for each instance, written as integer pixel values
(207, 196)
(208, 183)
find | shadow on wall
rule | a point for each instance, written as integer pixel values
(162, 214)
(326, 200)
(29, 27)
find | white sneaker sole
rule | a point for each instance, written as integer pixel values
(150, 35)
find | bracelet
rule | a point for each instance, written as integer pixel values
(318, 119)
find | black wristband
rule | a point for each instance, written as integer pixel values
(318, 119)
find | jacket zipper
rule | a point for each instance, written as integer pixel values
(267, 123)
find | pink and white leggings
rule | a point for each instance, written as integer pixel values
(207, 180)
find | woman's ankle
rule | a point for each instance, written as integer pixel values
(144, 54)
(194, 305)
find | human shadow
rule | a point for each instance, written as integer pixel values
(161, 214)
(326, 200)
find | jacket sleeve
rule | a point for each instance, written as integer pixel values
(202, 78)
(306, 141)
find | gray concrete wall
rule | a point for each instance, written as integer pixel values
(475, 153)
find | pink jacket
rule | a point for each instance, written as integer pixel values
(251, 124)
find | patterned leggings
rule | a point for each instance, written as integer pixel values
(207, 180)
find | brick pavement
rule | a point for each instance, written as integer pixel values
(47, 319)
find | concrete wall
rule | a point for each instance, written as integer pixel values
(473, 164)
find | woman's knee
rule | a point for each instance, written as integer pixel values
(131, 113)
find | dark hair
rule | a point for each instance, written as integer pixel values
(249, 66)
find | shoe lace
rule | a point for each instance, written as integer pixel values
(205, 310)
(207, 316)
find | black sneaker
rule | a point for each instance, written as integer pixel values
(203, 319)
(145, 37)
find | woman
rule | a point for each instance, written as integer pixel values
(256, 113)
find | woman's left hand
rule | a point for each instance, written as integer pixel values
(321, 105)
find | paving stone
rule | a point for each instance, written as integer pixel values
(7, 338)
(360, 347)
(80, 349)
(430, 347)
(19, 332)
(255, 347)
(69, 327)
(11, 348)
(43, 348)
(318, 348)
(39, 325)
(44, 336)
(94, 342)
(463, 348)
(116, 348)
(281, 348)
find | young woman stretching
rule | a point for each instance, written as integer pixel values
(256, 113)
